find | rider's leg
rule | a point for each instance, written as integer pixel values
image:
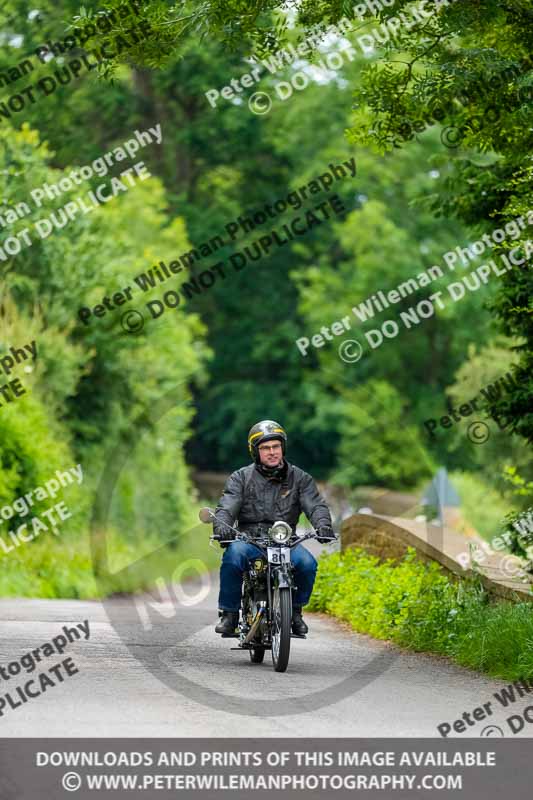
(305, 567)
(234, 562)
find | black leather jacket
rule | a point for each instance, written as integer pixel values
(256, 502)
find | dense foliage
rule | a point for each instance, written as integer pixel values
(229, 353)
(418, 606)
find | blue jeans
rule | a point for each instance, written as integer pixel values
(235, 560)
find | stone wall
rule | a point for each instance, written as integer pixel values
(385, 539)
(377, 536)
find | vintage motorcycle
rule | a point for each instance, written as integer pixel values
(266, 602)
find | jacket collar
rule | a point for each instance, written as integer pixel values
(277, 474)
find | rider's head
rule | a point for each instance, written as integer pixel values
(266, 443)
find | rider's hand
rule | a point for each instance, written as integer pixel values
(326, 535)
(221, 535)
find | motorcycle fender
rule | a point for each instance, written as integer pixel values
(283, 580)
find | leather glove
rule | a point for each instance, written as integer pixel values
(326, 535)
(220, 535)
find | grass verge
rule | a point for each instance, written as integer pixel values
(62, 566)
(416, 605)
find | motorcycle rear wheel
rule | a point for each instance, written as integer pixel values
(281, 628)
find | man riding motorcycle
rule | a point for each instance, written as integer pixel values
(256, 496)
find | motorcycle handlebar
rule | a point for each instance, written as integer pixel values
(242, 535)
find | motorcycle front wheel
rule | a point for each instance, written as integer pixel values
(281, 628)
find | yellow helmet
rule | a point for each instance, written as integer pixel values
(262, 432)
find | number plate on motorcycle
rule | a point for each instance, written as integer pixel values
(279, 555)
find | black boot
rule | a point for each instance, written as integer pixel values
(228, 622)
(298, 625)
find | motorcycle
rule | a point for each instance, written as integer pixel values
(266, 603)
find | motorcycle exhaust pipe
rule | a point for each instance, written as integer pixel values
(255, 625)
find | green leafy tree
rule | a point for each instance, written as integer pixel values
(470, 70)
(90, 383)
(463, 66)
(376, 445)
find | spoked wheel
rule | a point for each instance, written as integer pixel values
(281, 628)
(257, 655)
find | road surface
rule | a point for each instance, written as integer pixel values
(122, 686)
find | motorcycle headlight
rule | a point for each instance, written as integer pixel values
(280, 532)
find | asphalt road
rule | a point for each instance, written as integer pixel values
(183, 680)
